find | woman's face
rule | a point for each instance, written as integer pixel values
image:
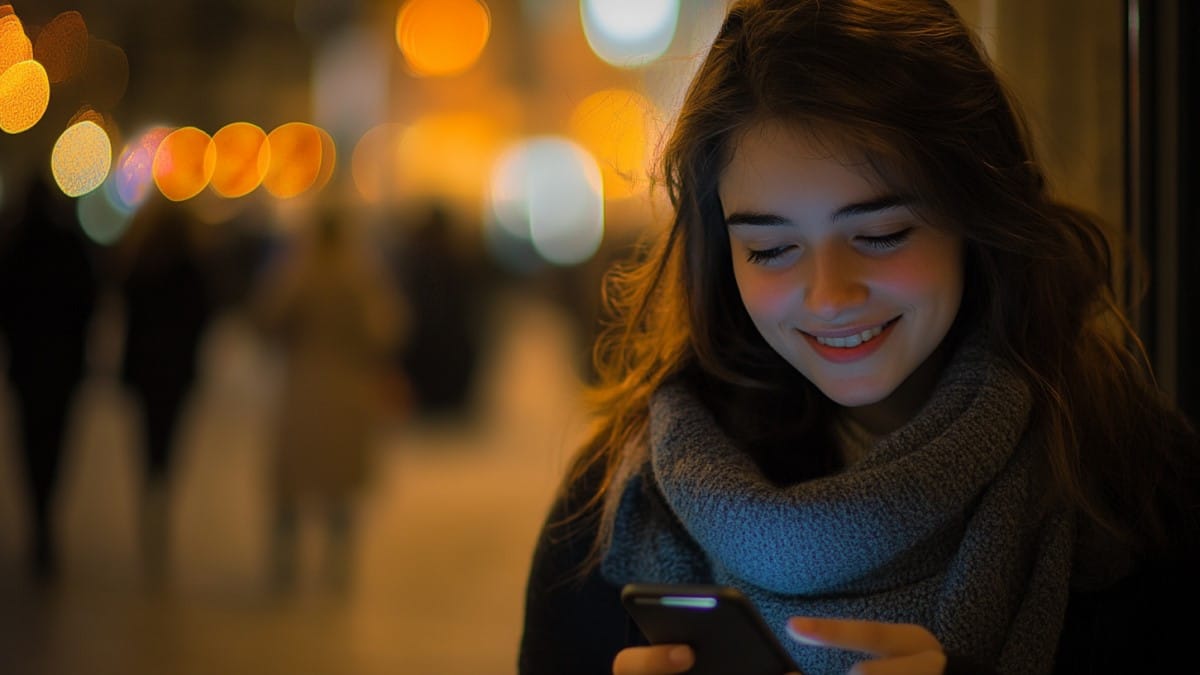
(838, 273)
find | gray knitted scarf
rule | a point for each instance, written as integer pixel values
(939, 524)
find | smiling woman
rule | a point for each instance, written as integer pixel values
(873, 375)
(854, 290)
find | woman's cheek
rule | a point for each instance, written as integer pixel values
(768, 296)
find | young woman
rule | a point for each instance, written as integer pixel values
(873, 376)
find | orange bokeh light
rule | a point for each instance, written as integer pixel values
(14, 44)
(62, 47)
(24, 96)
(241, 162)
(442, 37)
(374, 164)
(328, 160)
(615, 126)
(296, 150)
(184, 163)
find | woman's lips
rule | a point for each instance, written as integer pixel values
(851, 354)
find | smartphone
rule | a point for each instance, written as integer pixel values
(720, 624)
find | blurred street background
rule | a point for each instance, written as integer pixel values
(297, 300)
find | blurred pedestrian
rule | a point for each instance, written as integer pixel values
(328, 303)
(48, 291)
(167, 309)
(442, 354)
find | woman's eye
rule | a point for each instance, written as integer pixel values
(886, 242)
(760, 256)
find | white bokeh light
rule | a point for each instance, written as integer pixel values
(102, 221)
(549, 190)
(629, 33)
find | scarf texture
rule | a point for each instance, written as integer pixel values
(938, 524)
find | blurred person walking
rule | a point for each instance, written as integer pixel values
(328, 303)
(441, 356)
(48, 291)
(167, 309)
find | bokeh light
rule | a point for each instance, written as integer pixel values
(442, 37)
(296, 156)
(62, 47)
(14, 43)
(184, 163)
(134, 172)
(102, 221)
(328, 160)
(24, 96)
(629, 33)
(81, 158)
(616, 125)
(375, 162)
(241, 159)
(449, 155)
(106, 75)
(549, 190)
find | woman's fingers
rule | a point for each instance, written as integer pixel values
(872, 637)
(655, 660)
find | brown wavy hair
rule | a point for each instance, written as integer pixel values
(906, 84)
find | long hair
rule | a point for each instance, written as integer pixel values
(905, 84)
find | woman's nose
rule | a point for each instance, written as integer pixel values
(834, 284)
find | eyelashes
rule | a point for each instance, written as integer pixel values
(766, 255)
(880, 243)
(887, 242)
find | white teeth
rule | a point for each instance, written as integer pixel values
(851, 341)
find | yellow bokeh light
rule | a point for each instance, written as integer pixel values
(615, 125)
(184, 163)
(449, 154)
(442, 37)
(241, 162)
(62, 46)
(81, 158)
(24, 96)
(296, 150)
(14, 44)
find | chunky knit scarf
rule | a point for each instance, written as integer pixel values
(940, 524)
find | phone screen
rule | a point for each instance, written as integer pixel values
(722, 627)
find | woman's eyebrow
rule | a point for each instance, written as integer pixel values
(873, 205)
(881, 203)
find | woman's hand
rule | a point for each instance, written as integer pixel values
(654, 660)
(901, 649)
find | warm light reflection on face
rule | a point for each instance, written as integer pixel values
(241, 161)
(295, 162)
(62, 47)
(24, 96)
(184, 163)
(442, 37)
(838, 272)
